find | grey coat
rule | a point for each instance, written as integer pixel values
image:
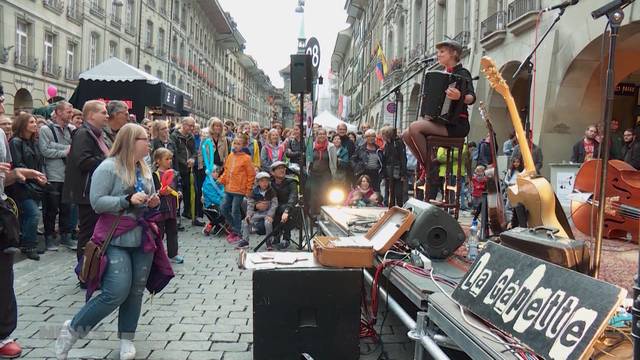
(109, 195)
(54, 152)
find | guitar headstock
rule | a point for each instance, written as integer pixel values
(485, 115)
(496, 81)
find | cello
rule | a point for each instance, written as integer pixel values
(622, 208)
(495, 202)
(532, 191)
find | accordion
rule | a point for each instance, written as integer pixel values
(435, 105)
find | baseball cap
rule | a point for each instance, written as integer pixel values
(278, 163)
(262, 175)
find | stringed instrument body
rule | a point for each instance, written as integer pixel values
(622, 212)
(497, 221)
(534, 192)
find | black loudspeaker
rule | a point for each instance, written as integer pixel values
(434, 232)
(306, 311)
(301, 74)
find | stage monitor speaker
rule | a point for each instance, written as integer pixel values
(301, 74)
(306, 311)
(434, 232)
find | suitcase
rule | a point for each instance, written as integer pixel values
(541, 242)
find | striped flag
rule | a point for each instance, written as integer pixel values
(381, 64)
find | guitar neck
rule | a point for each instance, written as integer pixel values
(527, 158)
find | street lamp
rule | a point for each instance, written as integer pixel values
(301, 37)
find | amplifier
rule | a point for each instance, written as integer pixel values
(434, 232)
(541, 243)
(306, 311)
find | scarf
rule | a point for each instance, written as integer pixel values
(320, 147)
(97, 136)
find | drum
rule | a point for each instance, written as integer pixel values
(434, 102)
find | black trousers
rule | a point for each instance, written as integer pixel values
(87, 221)
(199, 181)
(8, 307)
(398, 192)
(169, 228)
(185, 176)
(53, 207)
(294, 215)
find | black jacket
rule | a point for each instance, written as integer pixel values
(286, 192)
(578, 151)
(25, 154)
(631, 154)
(84, 157)
(347, 143)
(185, 149)
(394, 158)
(359, 160)
(294, 150)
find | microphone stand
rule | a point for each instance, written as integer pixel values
(615, 15)
(529, 66)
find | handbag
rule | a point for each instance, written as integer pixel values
(93, 254)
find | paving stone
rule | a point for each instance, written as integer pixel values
(168, 355)
(224, 346)
(195, 336)
(206, 355)
(189, 345)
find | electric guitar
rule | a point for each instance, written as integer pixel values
(497, 221)
(532, 191)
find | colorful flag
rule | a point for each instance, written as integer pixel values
(381, 64)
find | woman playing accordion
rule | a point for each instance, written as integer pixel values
(448, 53)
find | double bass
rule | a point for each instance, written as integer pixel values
(495, 203)
(532, 191)
(622, 208)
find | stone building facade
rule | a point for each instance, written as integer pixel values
(192, 44)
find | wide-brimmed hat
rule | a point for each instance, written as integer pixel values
(454, 45)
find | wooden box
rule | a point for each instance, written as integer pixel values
(383, 234)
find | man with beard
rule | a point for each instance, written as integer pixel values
(118, 117)
(631, 149)
(587, 148)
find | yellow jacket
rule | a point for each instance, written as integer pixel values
(442, 158)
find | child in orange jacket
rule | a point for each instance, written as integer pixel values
(238, 178)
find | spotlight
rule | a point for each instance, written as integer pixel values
(336, 196)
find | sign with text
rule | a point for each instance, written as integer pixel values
(556, 312)
(625, 89)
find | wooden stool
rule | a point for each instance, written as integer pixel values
(451, 195)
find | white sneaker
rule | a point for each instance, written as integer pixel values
(65, 340)
(127, 350)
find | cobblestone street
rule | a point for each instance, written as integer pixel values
(204, 313)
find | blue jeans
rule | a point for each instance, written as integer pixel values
(231, 210)
(29, 214)
(122, 287)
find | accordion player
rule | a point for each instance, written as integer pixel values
(446, 96)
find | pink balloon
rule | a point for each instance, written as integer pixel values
(52, 91)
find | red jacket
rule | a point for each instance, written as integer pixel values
(479, 185)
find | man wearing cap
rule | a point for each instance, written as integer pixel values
(287, 192)
(9, 348)
(261, 208)
(448, 53)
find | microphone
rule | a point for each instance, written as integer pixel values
(561, 6)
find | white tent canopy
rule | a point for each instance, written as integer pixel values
(330, 122)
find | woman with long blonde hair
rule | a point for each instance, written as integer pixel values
(122, 192)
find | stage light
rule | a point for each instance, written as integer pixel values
(336, 196)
